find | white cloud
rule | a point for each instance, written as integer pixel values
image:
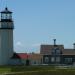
(19, 43)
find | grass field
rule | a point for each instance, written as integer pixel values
(36, 70)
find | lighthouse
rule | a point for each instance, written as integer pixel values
(6, 36)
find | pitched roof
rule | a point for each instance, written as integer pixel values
(20, 56)
(23, 55)
(68, 52)
(6, 11)
(15, 56)
(46, 49)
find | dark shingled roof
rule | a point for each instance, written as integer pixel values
(46, 49)
(68, 52)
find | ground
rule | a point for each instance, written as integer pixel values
(36, 70)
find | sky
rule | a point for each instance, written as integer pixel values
(38, 22)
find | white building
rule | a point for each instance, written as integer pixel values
(6, 36)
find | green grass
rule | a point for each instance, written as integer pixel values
(36, 70)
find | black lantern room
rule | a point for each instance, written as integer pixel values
(6, 15)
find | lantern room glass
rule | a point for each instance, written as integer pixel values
(6, 16)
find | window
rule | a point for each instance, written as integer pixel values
(57, 59)
(53, 52)
(68, 60)
(52, 59)
(34, 62)
(46, 59)
(56, 51)
(6, 16)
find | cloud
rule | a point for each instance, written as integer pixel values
(19, 44)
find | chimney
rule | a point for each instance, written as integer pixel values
(54, 42)
(74, 46)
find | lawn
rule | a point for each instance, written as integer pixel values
(36, 70)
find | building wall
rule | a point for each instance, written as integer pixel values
(6, 45)
(36, 59)
(23, 61)
(63, 59)
(68, 59)
(15, 62)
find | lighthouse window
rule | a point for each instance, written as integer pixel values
(6, 16)
(3, 16)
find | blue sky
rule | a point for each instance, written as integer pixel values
(40, 21)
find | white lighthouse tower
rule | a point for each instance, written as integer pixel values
(6, 36)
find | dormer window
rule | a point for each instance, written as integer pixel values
(56, 51)
(53, 52)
